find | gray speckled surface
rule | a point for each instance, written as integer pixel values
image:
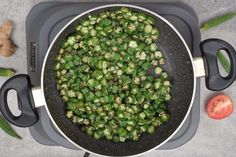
(213, 138)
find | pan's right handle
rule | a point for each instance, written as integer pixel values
(22, 85)
(214, 80)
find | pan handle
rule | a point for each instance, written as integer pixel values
(86, 154)
(22, 85)
(209, 48)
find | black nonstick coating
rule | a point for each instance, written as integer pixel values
(179, 67)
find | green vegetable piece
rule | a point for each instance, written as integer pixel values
(105, 22)
(89, 96)
(217, 21)
(129, 128)
(122, 132)
(6, 72)
(165, 117)
(84, 30)
(71, 40)
(150, 20)
(224, 62)
(71, 93)
(131, 122)
(167, 97)
(93, 32)
(85, 23)
(97, 74)
(76, 46)
(69, 114)
(153, 47)
(142, 56)
(144, 128)
(146, 65)
(157, 84)
(131, 27)
(133, 44)
(71, 106)
(8, 129)
(148, 28)
(164, 75)
(134, 18)
(89, 130)
(142, 115)
(151, 129)
(101, 64)
(97, 48)
(158, 70)
(97, 135)
(166, 83)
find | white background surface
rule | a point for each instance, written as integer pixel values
(213, 138)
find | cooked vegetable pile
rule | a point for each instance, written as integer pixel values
(110, 77)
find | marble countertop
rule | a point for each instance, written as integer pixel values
(213, 138)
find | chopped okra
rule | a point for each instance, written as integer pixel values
(103, 76)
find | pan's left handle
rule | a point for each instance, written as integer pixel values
(22, 85)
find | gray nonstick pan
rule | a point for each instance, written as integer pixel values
(182, 68)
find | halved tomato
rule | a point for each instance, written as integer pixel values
(219, 107)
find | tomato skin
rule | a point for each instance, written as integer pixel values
(219, 107)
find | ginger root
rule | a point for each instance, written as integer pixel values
(7, 47)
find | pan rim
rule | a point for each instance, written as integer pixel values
(134, 7)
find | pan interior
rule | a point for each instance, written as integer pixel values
(179, 67)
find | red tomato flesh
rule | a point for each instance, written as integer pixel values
(219, 107)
